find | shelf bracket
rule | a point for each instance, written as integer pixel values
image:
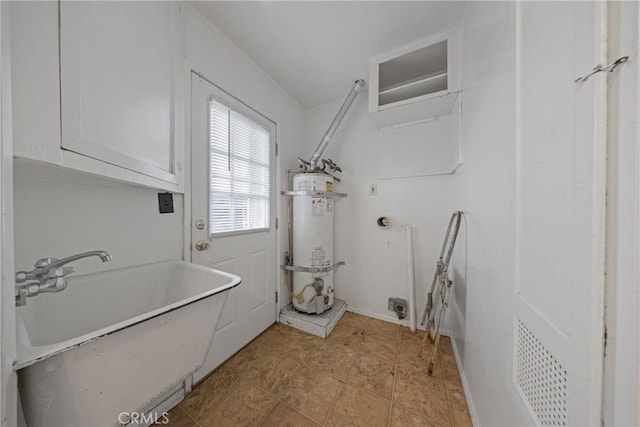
(299, 268)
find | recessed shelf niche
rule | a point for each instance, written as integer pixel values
(417, 73)
(417, 82)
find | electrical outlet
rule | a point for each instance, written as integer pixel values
(373, 189)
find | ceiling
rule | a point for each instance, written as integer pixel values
(315, 50)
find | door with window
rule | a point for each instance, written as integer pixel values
(233, 210)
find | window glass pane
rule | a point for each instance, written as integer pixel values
(240, 171)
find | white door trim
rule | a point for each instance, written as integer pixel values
(8, 378)
(190, 68)
(239, 253)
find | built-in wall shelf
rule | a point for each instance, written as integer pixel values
(423, 85)
(415, 111)
(416, 82)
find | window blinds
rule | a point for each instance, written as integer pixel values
(240, 171)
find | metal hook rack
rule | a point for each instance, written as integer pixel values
(600, 68)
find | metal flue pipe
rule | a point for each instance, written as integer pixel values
(357, 86)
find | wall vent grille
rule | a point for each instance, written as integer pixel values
(542, 379)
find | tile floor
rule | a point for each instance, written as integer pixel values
(366, 373)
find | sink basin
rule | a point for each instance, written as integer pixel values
(116, 341)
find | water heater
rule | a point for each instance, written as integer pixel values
(310, 221)
(313, 242)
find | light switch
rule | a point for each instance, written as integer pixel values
(165, 202)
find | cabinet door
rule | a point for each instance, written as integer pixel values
(35, 82)
(120, 75)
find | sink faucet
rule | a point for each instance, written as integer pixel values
(49, 275)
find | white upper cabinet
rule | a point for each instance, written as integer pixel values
(417, 82)
(118, 103)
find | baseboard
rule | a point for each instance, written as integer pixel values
(391, 319)
(465, 386)
(444, 331)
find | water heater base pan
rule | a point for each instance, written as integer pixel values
(316, 324)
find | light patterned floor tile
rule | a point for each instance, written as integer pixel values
(459, 410)
(209, 392)
(245, 405)
(332, 359)
(409, 360)
(176, 418)
(359, 409)
(380, 346)
(283, 416)
(288, 340)
(346, 334)
(423, 395)
(372, 374)
(273, 369)
(310, 393)
(402, 417)
(367, 373)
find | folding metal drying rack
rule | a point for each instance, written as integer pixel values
(438, 296)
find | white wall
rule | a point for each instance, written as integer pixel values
(220, 61)
(60, 213)
(622, 361)
(376, 257)
(484, 189)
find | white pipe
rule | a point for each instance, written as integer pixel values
(411, 279)
(357, 86)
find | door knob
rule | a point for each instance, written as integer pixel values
(202, 245)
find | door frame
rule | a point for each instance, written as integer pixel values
(8, 377)
(623, 320)
(189, 69)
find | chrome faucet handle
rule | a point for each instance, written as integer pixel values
(43, 262)
(22, 276)
(56, 284)
(41, 274)
(59, 272)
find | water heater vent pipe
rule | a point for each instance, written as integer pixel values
(357, 86)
